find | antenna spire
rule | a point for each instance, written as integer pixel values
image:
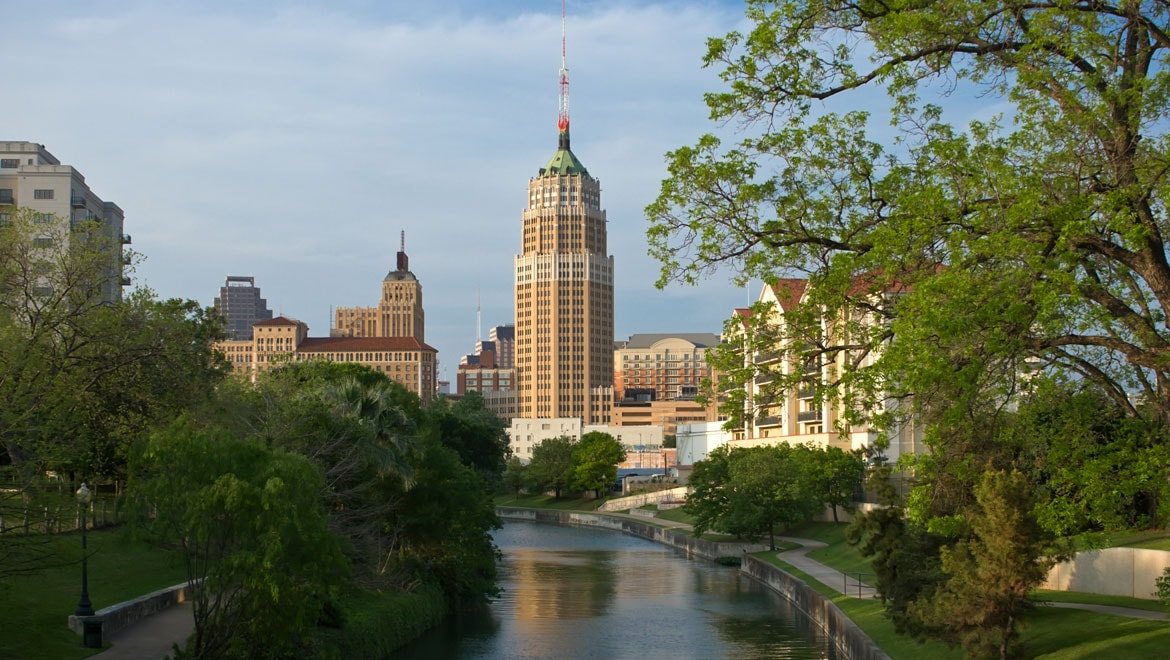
(563, 104)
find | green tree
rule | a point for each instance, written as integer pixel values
(551, 467)
(710, 489)
(595, 459)
(514, 477)
(988, 576)
(252, 529)
(838, 475)
(947, 257)
(769, 486)
(476, 433)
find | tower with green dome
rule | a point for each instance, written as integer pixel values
(564, 290)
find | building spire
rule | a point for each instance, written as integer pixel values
(563, 101)
(403, 262)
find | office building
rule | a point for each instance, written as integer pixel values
(240, 305)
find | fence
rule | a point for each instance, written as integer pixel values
(58, 518)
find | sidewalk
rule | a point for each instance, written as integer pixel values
(152, 637)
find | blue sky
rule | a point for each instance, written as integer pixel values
(293, 142)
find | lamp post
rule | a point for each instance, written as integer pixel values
(84, 607)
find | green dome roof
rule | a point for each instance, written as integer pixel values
(563, 162)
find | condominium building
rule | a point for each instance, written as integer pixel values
(399, 312)
(33, 179)
(274, 342)
(795, 415)
(240, 305)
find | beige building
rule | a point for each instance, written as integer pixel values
(794, 415)
(274, 342)
(32, 178)
(660, 367)
(399, 312)
(564, 294)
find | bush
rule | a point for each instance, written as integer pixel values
(1163, 588)
(376, 623)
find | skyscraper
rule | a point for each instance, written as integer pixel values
(240, 305)
(564, 288)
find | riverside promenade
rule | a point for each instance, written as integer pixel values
(153, 637)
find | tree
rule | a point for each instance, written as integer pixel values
(710, 489)
(514, 477)
(770, 485)
(253, 533)
(83, 372)
(475, 432)
(949, 257)
(838, 476)
(551, 465)
(989, 575)
(595, 459)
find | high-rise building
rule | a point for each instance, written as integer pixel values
(32, 178)
(240, 305)
(564, 290)
(399, 312)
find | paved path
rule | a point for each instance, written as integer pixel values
(830, 577)
(152, 637)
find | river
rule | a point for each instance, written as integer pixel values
(583, 593)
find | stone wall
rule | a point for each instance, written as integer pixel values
(642, 499)
(851, 642)
(116, 617)
(1112, 571)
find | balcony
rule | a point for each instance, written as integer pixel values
(768, 420)
(126, 239)
(764, 357)
(77, 201)
(804, 393)
(125, 281)
(809, 416)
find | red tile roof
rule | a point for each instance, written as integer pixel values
(788, 292)
(280, 320)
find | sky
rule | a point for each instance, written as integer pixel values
(295, 141)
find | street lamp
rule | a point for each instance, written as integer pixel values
(84, 607)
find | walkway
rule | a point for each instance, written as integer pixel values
(152, 637)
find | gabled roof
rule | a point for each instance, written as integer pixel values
(788, 292)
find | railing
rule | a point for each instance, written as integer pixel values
(769, 420)
(126, 239)
(808, 416)
(858, 585)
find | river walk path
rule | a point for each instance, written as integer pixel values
(153, 637)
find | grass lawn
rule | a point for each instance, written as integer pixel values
(1048, 633)
(1043, 595)
(549, 502)
(35, 608)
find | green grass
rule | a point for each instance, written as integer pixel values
(565, 503)
(839, 554)
(677, 515)
(35, 608)
(1097, 599)
(1047, 633)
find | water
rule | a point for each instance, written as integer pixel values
(582, 593)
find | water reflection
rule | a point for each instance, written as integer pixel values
(572, 592)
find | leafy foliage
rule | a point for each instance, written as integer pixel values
(551, 467)
(252, 528)
(595, 459)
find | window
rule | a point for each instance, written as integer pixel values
(6, 196)
(10, 163)
(43, 193)
(43, 242)
(43, 218)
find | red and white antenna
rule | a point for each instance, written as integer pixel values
(563, 106)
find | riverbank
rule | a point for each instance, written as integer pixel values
(850, 640)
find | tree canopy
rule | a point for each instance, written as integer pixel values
(953, 257)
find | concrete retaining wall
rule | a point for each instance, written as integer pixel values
(693, 547)
(1112, 571)
(642, 499)
(116, 617)
(851, 642)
